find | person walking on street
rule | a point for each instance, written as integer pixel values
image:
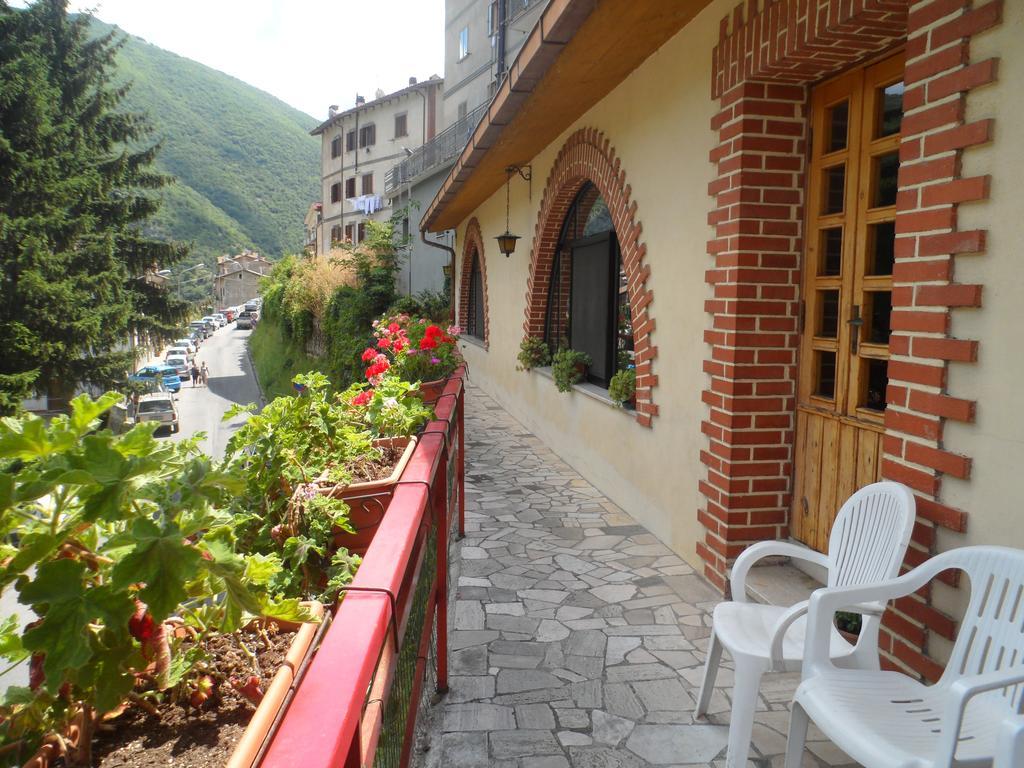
(195, 373)
(204, 373)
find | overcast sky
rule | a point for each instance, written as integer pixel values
(308, 53)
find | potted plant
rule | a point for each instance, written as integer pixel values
(533, 353)
(413, 350)
(848, 625)
(126, 553)
(569, 366)
(622, 388)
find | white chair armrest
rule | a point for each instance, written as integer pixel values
(782, 625)
(961, 692)
(1010, 747)
(755, 552)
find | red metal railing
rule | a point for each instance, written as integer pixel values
(358, 701)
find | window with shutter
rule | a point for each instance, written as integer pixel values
(335, 146)
(401, 125)
(335, 193)
(367, 183)
(350, 187)
(367, 135)
(475, 316)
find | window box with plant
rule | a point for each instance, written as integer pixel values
(569, 367)
(533, 353)
(415, 350)
(149, 614)
(622, 388)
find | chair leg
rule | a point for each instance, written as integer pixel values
(798, 722)
(744, 704)
(707, 687)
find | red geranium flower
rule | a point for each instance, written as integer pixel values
(363, 397)
(394, 328)
(368, 354)
(427, 342)
(384, 344)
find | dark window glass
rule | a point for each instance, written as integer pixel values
(599, 219)
(350, 141)
(475, 320)
(881, 248)
(831, 263)
(837, 125)
(890, 110)
(878, 316)
(825, 386)
(350, 187)
(335, 146)
(349, 232)
(335, 192)
(878, 380)
(886, 170)
(362, 231)
(835, 189)
(828, 324)
(367, 183)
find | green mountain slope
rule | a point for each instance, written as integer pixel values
(246, 165)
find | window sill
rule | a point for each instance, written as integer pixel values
(587, 389)
(474, 341)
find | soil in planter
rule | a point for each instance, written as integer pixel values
(183, 736)
(370, 468)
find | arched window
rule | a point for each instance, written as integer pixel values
(475, 314)
(588, 306)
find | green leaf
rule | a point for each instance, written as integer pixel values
(111, 679)
(34, 547)
(260, 569)
(23, 438)
(162, 561)
(58, 581)
(10, 641)
(183, 663)
(290, 609)
(85, 411)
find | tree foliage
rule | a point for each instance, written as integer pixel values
(78, 188)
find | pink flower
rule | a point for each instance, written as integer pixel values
(435, 360)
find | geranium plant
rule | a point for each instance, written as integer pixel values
(568, 367)
(111, 540)
(412, 349)
(622, 387)
(533, 353)
(393, 408)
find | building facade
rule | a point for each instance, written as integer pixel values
(795, 223)
(238, 278)
(359, 146)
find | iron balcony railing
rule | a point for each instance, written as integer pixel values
(442, 149)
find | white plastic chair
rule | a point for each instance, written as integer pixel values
(1010, 750)
(889, 720)
(867, 544)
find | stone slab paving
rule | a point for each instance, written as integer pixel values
(577, 637)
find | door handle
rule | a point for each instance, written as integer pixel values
(855, 323)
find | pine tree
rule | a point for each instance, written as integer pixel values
(77, 188)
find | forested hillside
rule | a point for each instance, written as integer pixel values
(246, 166)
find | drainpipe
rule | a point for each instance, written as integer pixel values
(451, 280)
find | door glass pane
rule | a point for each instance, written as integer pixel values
(837, 122)
(881, 246)
(831, 263)
(890, 110)
(825, 374)
(835, 189)
(879, 310)
(886, 167)
(878, 379)
(828, 321)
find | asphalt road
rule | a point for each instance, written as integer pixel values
(200, 409)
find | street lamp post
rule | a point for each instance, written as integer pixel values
(178, 282)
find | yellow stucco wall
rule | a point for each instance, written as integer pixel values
(658, 123)
(995, 441)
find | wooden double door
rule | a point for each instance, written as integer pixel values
(846, 292)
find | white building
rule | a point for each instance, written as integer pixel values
(359, 145)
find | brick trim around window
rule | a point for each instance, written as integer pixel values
(587, 155)
(768, 53)
(474, 245)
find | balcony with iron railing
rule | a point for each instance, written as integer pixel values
(433, 155)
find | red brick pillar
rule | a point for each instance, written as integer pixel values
(753, 339)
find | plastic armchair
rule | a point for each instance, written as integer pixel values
(867, 543)
(889, 720)
(1010, 749)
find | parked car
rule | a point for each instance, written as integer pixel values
(204, 328)
(186, 344)
(212, 321)
(167, 375)
(229, 314)
(252, 306)
(159, 407)
(180, 363)
(222, 318)
(178, 349)
(245, 320)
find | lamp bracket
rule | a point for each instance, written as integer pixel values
(525, 171)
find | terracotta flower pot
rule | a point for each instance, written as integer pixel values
(581, 370)
(274, 695)
(51, 754)
(431, 390)
(369, 501)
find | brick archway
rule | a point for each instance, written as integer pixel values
(474, 246)
(587, 155)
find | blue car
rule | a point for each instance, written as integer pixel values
(169, 376)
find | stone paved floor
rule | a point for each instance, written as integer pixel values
(578, 638)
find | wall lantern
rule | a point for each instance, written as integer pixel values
(447, 270)
(506, 240)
